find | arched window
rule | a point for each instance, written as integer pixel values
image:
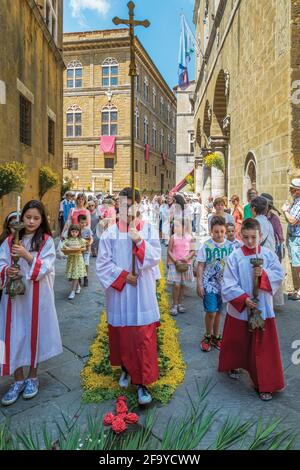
(109, 120)
(110, 72)
(154, 98)
(137, 124)
(146, 130)
(50, 17)
(169, 114)
(169, 145)
(162, 141)
(146, 89)
(137, 82)
(74, 74)
(161, 106)
(154, 136)
(74, 121)
(174, 146)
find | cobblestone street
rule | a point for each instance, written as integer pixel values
(60, 391)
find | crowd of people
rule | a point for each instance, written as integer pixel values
(207, 245)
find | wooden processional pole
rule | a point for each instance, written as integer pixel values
(131, 23)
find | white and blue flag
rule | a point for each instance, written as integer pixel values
(187, 48)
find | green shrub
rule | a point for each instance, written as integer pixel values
(215, 160)
(67, 185)
(48, 179)
(12, 177)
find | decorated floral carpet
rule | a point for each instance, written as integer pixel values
(100, 380)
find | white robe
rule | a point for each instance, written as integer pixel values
(39, 297)
(133, 306)
(238, 280)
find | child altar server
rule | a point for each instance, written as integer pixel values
(131, 304)
(28, 323)
(255, 351)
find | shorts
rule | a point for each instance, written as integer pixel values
(294, 251)
(86, 257)
(212, 302)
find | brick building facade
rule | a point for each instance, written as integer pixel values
(243, 107)
(97, 102)
(31, 94)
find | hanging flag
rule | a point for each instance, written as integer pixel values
(187, 48)
(108, 144)
(179, 186)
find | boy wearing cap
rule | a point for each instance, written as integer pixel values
(292, 216)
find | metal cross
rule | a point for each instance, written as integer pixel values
(132, 23)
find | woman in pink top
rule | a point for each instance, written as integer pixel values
(238, 214)
(181, 250)
(81, 208)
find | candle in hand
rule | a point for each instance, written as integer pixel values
(18, 208)
(256, 242)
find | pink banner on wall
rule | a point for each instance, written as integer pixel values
(147, 152)
(108, 144)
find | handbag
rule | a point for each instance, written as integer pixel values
(181, 267)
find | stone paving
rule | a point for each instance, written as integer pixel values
(60, 391)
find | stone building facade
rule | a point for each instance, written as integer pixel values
(185, 140)
(243, 105)
(31, 94)
(97, 102)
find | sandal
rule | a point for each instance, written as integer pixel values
(234, 374)
(265, 396)
(295, 296)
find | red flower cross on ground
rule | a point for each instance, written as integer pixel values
(122, 418)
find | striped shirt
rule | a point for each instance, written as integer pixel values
(294, 230)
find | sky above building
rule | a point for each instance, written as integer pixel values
(161, 40)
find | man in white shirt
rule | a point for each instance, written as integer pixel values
(259, 207)
(197, 214)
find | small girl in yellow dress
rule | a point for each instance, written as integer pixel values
(75, 265)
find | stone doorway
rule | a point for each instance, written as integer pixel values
(250, 173)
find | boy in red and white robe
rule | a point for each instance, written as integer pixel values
(131, 303)
(257, 352)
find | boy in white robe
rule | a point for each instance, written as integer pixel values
(131, 303)
(257, 352)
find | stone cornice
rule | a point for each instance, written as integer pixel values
(216, 24)
(39, 17)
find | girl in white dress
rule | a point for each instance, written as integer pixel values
(29, 330)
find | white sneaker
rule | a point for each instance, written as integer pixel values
(13, 393)
(181, 309)
(78, 290)
(174, 311)
(125, 380)
(72, 295)
(31, 388)
(144, 397)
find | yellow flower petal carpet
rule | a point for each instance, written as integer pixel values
(100, 379)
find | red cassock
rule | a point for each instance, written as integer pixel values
(257, 352)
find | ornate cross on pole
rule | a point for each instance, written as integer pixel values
(131, 23)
